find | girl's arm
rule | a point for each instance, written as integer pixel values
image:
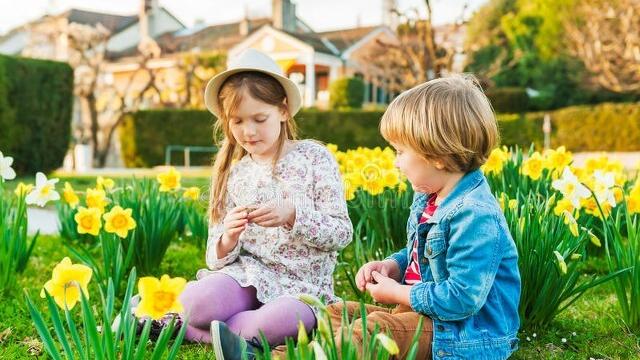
(324, 223)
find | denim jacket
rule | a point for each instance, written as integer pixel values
(469, 265)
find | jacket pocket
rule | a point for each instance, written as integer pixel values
(435, 252)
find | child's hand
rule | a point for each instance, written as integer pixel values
(387, 268)
(235, 222)
(274, 215)
(383, 289)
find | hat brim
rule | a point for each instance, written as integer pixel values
(294, 100)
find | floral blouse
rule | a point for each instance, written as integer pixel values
(279, 261)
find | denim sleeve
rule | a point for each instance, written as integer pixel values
(401, 258)
(472, 261)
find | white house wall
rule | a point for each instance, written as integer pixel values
(14, 44)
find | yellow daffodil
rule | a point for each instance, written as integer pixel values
(402, 186)
(23, 189)
(533, 166)
(513, 204)
(563, 205)
(374, 187)
(96, 199)
(390, 178)
(169, 180)
(104, 183)
(558, 159)
(333, 148)
(119, 221)
(70, 195)
(495, 162)
(88, 220)
(192, 193)
(66, 282)
(159, 297)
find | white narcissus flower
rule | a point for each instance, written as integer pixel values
(571, 188)
(6, 172)
(43, 192)
(603, 188)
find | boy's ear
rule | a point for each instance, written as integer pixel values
(438, 165)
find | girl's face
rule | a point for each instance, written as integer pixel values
(425, 176)
(256, 125)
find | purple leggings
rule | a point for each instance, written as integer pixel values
(220, 297)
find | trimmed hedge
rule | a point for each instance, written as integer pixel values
(604, 127)
(36, 98)
(613, 127)
(508, 99)
(144, 135)
(346, 93)
(521, 129)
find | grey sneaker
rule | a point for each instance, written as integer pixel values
(229, 346)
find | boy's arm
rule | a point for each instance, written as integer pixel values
(402, 259)
(473, 257)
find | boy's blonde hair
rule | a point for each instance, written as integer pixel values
(449, 120)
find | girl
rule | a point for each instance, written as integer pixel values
(277, 215)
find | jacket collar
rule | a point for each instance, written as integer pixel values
(469, 181)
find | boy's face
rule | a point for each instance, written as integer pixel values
(256, 127)
(425, 176)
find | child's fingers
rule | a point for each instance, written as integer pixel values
(236, 224)
(259, 212)
(236, 230)
(260, 219)
(237, 215)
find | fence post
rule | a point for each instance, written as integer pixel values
(187, 156)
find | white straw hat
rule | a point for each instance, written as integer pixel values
(252, 60)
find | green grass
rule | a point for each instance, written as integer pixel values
(594, 318)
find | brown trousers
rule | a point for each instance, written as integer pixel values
(401, 323)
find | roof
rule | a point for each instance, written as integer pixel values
(214, 37)
(112, 22)
(314, 40)
(345, 38)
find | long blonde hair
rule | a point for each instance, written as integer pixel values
(264, 88)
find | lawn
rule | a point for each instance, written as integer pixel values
(588, 329)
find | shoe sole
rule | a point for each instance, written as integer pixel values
(215, 341)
